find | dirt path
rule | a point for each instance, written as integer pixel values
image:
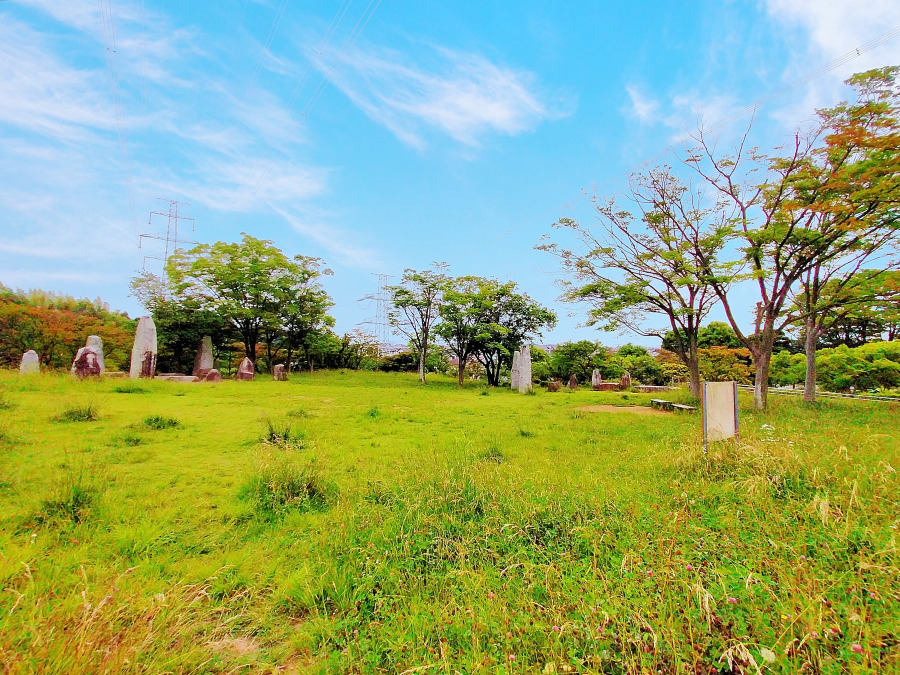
(635, 409)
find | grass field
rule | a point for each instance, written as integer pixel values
(357, 522)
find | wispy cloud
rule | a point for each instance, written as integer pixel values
(462, 95)
(643, 107)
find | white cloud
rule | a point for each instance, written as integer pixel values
(464, 96)
(332, 239)
(643, 108)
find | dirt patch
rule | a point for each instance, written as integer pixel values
(634, 409)
(237, 646)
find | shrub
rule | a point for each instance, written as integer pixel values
(277, 489)
(159, 422)
(80, 413)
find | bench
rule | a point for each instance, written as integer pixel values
(662, 404)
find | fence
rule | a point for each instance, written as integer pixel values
(825, 394)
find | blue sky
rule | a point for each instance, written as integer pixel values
(376, 135)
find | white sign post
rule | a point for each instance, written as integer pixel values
(720, 412)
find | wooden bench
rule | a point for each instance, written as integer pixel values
(683, 408)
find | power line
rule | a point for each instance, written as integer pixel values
(276, 22)
(171, 237)
(323, 83)
(112, 66)
(720, 124)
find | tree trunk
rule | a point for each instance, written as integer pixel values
(461, 372)
(809, 387)
(693, 367)
(761, 383)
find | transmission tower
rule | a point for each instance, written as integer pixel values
(171, 236)
(381, 327)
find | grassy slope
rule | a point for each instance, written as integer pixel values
(461, 532)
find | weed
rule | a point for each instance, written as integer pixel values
(524, 433)
(484, 392)
(158, 422)
(129, 441)
(276, 489)
(6, 405)
(282, 435)
(86, 412)
(373, 412)
(299, 412)
(493, 451)
(131, 389)
(72, 498)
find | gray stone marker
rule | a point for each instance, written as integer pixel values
(573, 383)
(204, 361)
(30, 364)
(213, 376)
(143, 354)
(279, 374)
(625, 381)
(514, 371)
(596, 380)
(245, 370)
(524, 369)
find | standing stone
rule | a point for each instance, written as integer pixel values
(87, 364)
(524, 370)
(279, 374)
(573, 383)
(553, 385)
(596, 380)
(245, 370)
(95, 343)
(143, 354)
(204, 361)
(213, 376)
(30, 363)
(514, 372)
(625, 381)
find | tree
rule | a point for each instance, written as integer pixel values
(485, 319)
(829, 294)
(649, 260)
(246, 283)
(831, 195)
(302, 313)
(416, 308)
(579, 359)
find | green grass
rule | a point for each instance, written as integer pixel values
(359, 522)
(159, 422)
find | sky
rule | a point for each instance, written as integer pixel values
(379, 135)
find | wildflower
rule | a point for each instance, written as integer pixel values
(688, 567)
(856, 648)
(814, 636)
(491, 595)
(555, 629)
(511, 657)
(733, 601)
(802, 557)
(649, 573)
(872, 595)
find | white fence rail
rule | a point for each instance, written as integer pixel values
(825, 394)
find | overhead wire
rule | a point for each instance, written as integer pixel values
(349, 42)
(719, 124)
(112, 65)
(276, 22)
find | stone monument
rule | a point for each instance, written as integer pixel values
(596, 380)
(553, 385)
(524, 369)
(245, 370)
(143, 354)
(625, 381)
(279, 374)
(87, 364)
(95, 344)
(204, 361)
(30, 363)
(213, 376)
(573, 383)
